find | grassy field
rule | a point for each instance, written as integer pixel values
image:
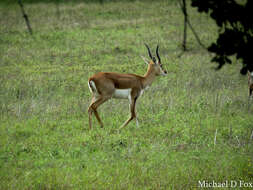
(44, 138)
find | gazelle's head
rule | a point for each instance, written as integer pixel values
(155, 64)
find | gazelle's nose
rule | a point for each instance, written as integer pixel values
(164, 73)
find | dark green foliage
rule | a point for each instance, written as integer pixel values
(235, 24)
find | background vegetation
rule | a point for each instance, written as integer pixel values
(231, 26)
(195, 124)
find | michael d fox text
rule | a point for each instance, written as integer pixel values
(227, 183)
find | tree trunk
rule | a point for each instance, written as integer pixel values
(25, 17)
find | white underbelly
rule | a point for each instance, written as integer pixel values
(122, 93)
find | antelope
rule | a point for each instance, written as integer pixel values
(106, 85)
(250, 83)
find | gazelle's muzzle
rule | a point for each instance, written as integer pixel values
(164, 73)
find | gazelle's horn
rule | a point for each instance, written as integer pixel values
(157, 54)
(150, 55)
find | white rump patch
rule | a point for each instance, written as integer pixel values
(122, 93)
(92, 86)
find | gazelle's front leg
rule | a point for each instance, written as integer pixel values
(133, 113)
(137, 122)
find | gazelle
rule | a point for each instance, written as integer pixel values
(250, 83)
(106, 85)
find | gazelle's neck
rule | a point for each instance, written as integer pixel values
(149, 77)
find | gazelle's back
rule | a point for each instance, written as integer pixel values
(119, 80)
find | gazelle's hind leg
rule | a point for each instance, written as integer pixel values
(95, 103)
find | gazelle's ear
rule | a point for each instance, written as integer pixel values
(145, 60)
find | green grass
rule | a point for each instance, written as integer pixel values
(44, 138)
